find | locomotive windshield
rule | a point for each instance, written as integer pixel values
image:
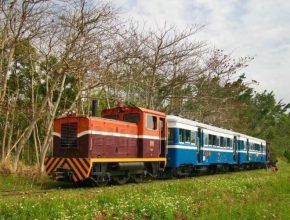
(132, 117)
(115, 117)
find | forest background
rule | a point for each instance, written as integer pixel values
(57, 56)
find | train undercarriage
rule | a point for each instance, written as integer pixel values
(191, 170)
(102, 173)
(121, 173)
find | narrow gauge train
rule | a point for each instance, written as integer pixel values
(132, 143)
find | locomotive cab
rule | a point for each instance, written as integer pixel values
(151, 128)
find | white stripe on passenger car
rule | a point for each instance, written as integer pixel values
(208, 149)
(195, 148)
(182, 147)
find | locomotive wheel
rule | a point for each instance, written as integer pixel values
(103, 183)
(139, 178)
(100, 181)
(121, 180)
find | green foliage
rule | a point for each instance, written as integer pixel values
(268, 119)
(287, 155)
(259, 194)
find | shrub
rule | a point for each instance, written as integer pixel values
(5, 167)
(287, 155)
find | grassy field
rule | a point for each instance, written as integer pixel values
(258, 194)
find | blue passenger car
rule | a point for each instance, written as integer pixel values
(194, 144)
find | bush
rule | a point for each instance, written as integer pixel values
(5, 167)
(287, 155)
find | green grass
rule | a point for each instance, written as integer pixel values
(257, 194)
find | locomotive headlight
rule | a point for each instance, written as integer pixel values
(71, 113)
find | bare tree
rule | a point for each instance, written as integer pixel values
(216, 92)
(82, 29)
(19, 20)
(145, 67)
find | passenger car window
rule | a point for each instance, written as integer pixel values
(205, 139)
(213, 139)
(187, 136)
(181, 135)
(229, 144)
(217, 143)
(257, 147)
(192, 137)
(210, 139)
(151, 122)
(222, 143)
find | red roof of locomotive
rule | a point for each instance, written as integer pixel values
(152, 111)
(114, 110)
(128, 108)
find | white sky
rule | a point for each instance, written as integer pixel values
(258, 28)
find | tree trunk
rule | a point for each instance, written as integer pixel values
(36, 144)
(11, 129)
(28, 132)
(5, 75)
(46, 141)
(4, 135)
(41, 164)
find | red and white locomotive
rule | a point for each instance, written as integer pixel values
(126, 142)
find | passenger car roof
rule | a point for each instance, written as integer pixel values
(178, 119)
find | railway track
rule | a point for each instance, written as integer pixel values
(24, 192)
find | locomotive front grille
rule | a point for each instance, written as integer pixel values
(69, 133)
